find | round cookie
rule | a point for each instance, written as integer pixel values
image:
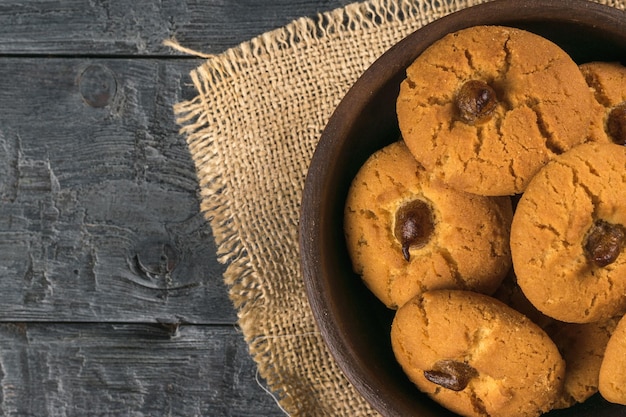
(476, 356)
(612, 379)
(567, 235)
(531, 104)
(406, 235)
(608, 83)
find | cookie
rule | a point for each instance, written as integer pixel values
(582, 347)
(476, 356)
(512, 295)
(612, 379)
(568, 232)
(608, 83)
(485, 107)
(406, 235)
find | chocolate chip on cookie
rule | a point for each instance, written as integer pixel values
(476, 356)
(567, 235)
(406, 234)
(485, 107)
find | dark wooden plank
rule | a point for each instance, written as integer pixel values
(139, 27)
(99, 212)
(99, 218)
(127, 370)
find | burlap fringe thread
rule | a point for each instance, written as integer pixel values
(289, 352)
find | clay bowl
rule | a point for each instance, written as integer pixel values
(354, 324)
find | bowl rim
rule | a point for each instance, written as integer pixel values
(383, 69)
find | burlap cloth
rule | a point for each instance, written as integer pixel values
(252, 130)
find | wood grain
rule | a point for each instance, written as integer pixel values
(123, 27)
(113, 302)
(127, 370)
(99, 216)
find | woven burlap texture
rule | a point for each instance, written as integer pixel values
(252, 130)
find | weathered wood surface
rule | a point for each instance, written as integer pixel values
(99, 216)
(127, 370)
(138, 27)
(101, 238)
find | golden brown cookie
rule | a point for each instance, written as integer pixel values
(512, 295)
(567, 235)
(582, 347)
(612, 383)
(406, 235)
(477, 356)
(608, 83)
(484, 108)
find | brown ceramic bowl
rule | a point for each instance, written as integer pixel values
(353, 323)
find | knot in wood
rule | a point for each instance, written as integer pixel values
(97, 85)
(156, 259)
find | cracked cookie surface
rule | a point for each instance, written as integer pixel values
(467, 246)
(608, 83)
(581, 345)
(543, 108)
(552, 229)
(517, 369)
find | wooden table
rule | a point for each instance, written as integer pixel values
(112, 300)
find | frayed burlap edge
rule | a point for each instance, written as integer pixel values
(308, 383)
